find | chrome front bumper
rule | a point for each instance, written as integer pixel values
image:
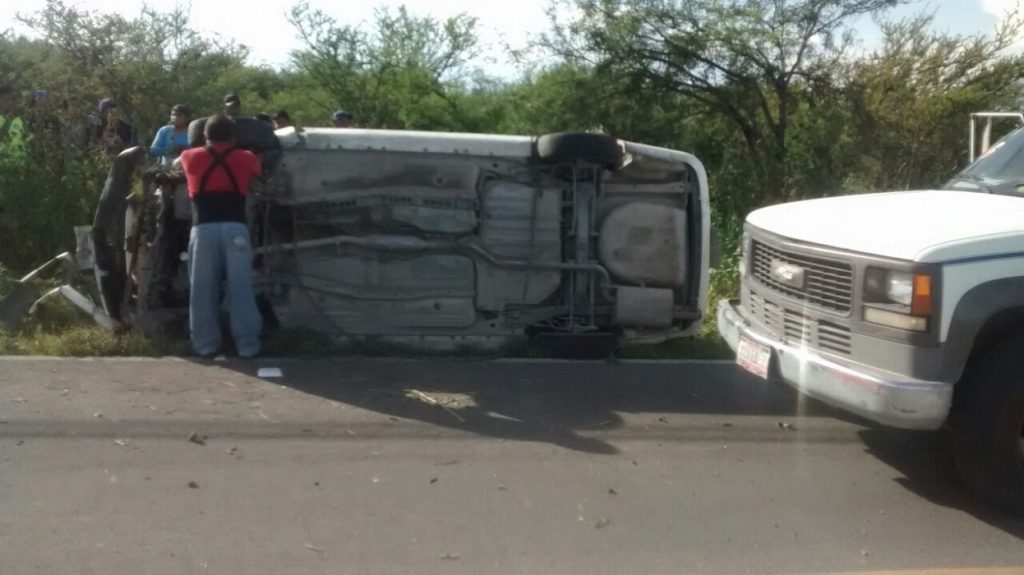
(884, 397)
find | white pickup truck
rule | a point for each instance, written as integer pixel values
(906, 308)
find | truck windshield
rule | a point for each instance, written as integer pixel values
(999, 171)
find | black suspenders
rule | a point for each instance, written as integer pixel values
(219, 161)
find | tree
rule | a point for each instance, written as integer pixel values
(914, 94)
(148, 63)
(752, 62)
(400, 74)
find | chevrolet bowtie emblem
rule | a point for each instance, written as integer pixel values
(788, 274)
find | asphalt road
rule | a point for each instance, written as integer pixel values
(393, 466)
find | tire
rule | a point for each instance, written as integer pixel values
(108, 230)
(255, 135)
(570, 147)
(251, 134)
(196, 138)
(988, 425)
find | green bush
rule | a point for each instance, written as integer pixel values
(44, 193)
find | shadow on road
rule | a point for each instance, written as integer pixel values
(543, 402)
(926, 462)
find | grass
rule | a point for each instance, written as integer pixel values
(60, 329)
(82, 339)
(87, 341)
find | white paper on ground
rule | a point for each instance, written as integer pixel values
(270, 372)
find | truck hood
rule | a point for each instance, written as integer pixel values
(923, 226)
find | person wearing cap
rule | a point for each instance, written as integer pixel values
(171, 139)
(232, 105)
(219, 175)
(282, 120)
(112, 133)
(342, 119)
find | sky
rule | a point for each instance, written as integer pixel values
(261, 24)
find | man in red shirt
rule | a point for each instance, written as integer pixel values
(218, 176)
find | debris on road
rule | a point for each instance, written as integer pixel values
(663, 420)
(611, 491)
(122, 442)
(97, 415)
(193, 485)
(433, 480)
(20, 442)
(786, 426)
(502, 488)
(313, 548)
(449, 462)
(417, 394)
(602, 523)
(726, 424)
(269, 372)
(196, 438)
(21, 299)
(450, 556)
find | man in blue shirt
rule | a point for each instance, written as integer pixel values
(171, 139)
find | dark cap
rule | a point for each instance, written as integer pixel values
(341, 115)
(182, 109)
(232, 99)
(106, 104)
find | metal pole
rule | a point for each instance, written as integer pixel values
(986, 136)
(970, 151)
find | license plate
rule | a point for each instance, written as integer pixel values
(754, 357)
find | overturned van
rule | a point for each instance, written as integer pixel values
(432, 239)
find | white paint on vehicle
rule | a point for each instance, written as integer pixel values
(959, 278)
(924, 226)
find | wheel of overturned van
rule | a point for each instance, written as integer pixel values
(988, 425)
(570, 147)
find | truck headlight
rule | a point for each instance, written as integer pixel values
(902, 300)
(900, 288)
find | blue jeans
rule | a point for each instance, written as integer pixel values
(218, 252)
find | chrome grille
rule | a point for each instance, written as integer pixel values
(795, 328)
(828, 284)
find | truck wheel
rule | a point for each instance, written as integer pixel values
(988, 425)
(579, 147)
